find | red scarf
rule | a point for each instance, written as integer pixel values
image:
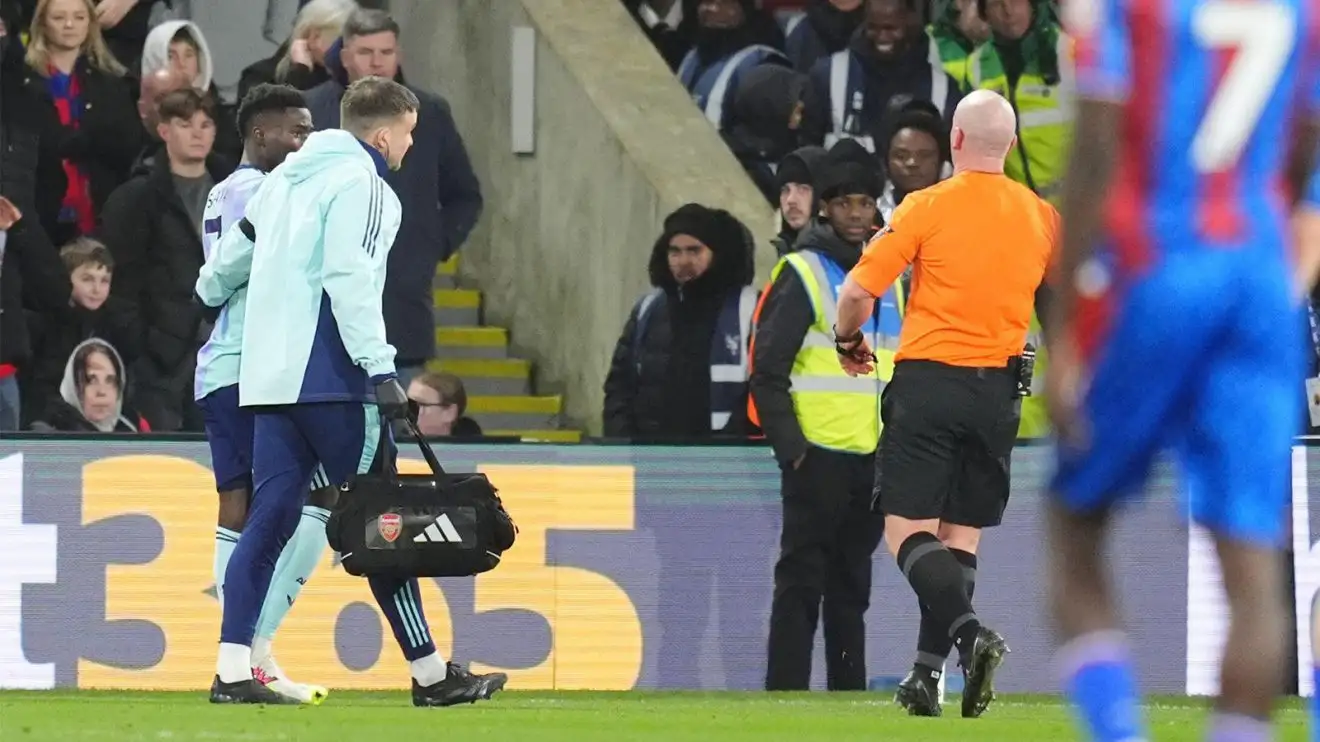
(77, 204)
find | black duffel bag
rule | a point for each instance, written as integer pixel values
(428, 525)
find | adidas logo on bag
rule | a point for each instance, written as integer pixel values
(442, 531)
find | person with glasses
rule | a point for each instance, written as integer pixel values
(441, 401)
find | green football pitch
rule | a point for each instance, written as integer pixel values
(83, 716)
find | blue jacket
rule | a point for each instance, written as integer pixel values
(324, 222)
(441, 204)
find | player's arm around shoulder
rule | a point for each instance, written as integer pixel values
(354, 256)
(227, 269)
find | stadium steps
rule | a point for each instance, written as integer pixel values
(500, 388)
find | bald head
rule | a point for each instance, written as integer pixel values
(984, 129)
(155, 86)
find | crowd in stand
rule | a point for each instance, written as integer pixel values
(837, 110)
(112, 133)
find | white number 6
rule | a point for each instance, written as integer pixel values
(1263, 32)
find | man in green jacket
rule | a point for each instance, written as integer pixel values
(1029, 61)
(958, 29)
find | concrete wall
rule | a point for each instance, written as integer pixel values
(562, 247)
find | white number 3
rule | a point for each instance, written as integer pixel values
(1263, 33)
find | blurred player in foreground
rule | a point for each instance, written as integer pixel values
(274, 121)
(1176, 325)
(312, 252)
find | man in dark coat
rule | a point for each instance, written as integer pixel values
(153, 227)
(439, 191)
(689, 334)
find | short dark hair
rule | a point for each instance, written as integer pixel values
(448, 386)
(373, 100)
(184, 104)
(86, 251)
(365, 22)
(267, 98)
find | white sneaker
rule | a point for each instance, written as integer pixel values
(269, 674)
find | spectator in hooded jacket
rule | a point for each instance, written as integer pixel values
(439, 191)
(889, 57)
(153, 227)
(300, 60)
(87, 113)
(91, 395)
(732, 37)
(763, 127)
(669, 24)
(181, 47)
(823, 28)
(797, 201)
(680, 367)
(90, 312)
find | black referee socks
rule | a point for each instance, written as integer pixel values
(933, 640)
(936, 576)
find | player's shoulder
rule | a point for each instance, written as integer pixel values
(245, 179)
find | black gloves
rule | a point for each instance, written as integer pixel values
(210, 314)
(391, 399)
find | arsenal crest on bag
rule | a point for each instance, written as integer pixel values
(431, 525)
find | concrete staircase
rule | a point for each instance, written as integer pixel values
(499, 388)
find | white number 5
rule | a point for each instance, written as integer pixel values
(1263, 33)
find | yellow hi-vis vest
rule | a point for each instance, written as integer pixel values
(1044, 115)
(837, 411)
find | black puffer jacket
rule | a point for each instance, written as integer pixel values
(31, 274)
(158, 254)
(658, 385)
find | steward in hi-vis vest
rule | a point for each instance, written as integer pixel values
(823, 426)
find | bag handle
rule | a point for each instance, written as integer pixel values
(391, 470)
(427, 453)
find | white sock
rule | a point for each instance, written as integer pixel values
(260, 649)
(225, 541)
(428, 670)
(234, 663)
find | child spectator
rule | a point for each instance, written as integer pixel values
(441, 401)
(91, 394)
(90, 313)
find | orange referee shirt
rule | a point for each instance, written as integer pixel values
(979, 245)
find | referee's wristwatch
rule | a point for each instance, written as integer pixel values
(848, 346)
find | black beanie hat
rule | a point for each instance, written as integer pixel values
(800, 166)
(849, 168)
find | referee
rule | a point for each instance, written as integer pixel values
(979, 245)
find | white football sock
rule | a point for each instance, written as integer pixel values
(260, 649)
(428, 670)
(234, 663)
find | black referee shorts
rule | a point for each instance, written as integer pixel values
(944, 451)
